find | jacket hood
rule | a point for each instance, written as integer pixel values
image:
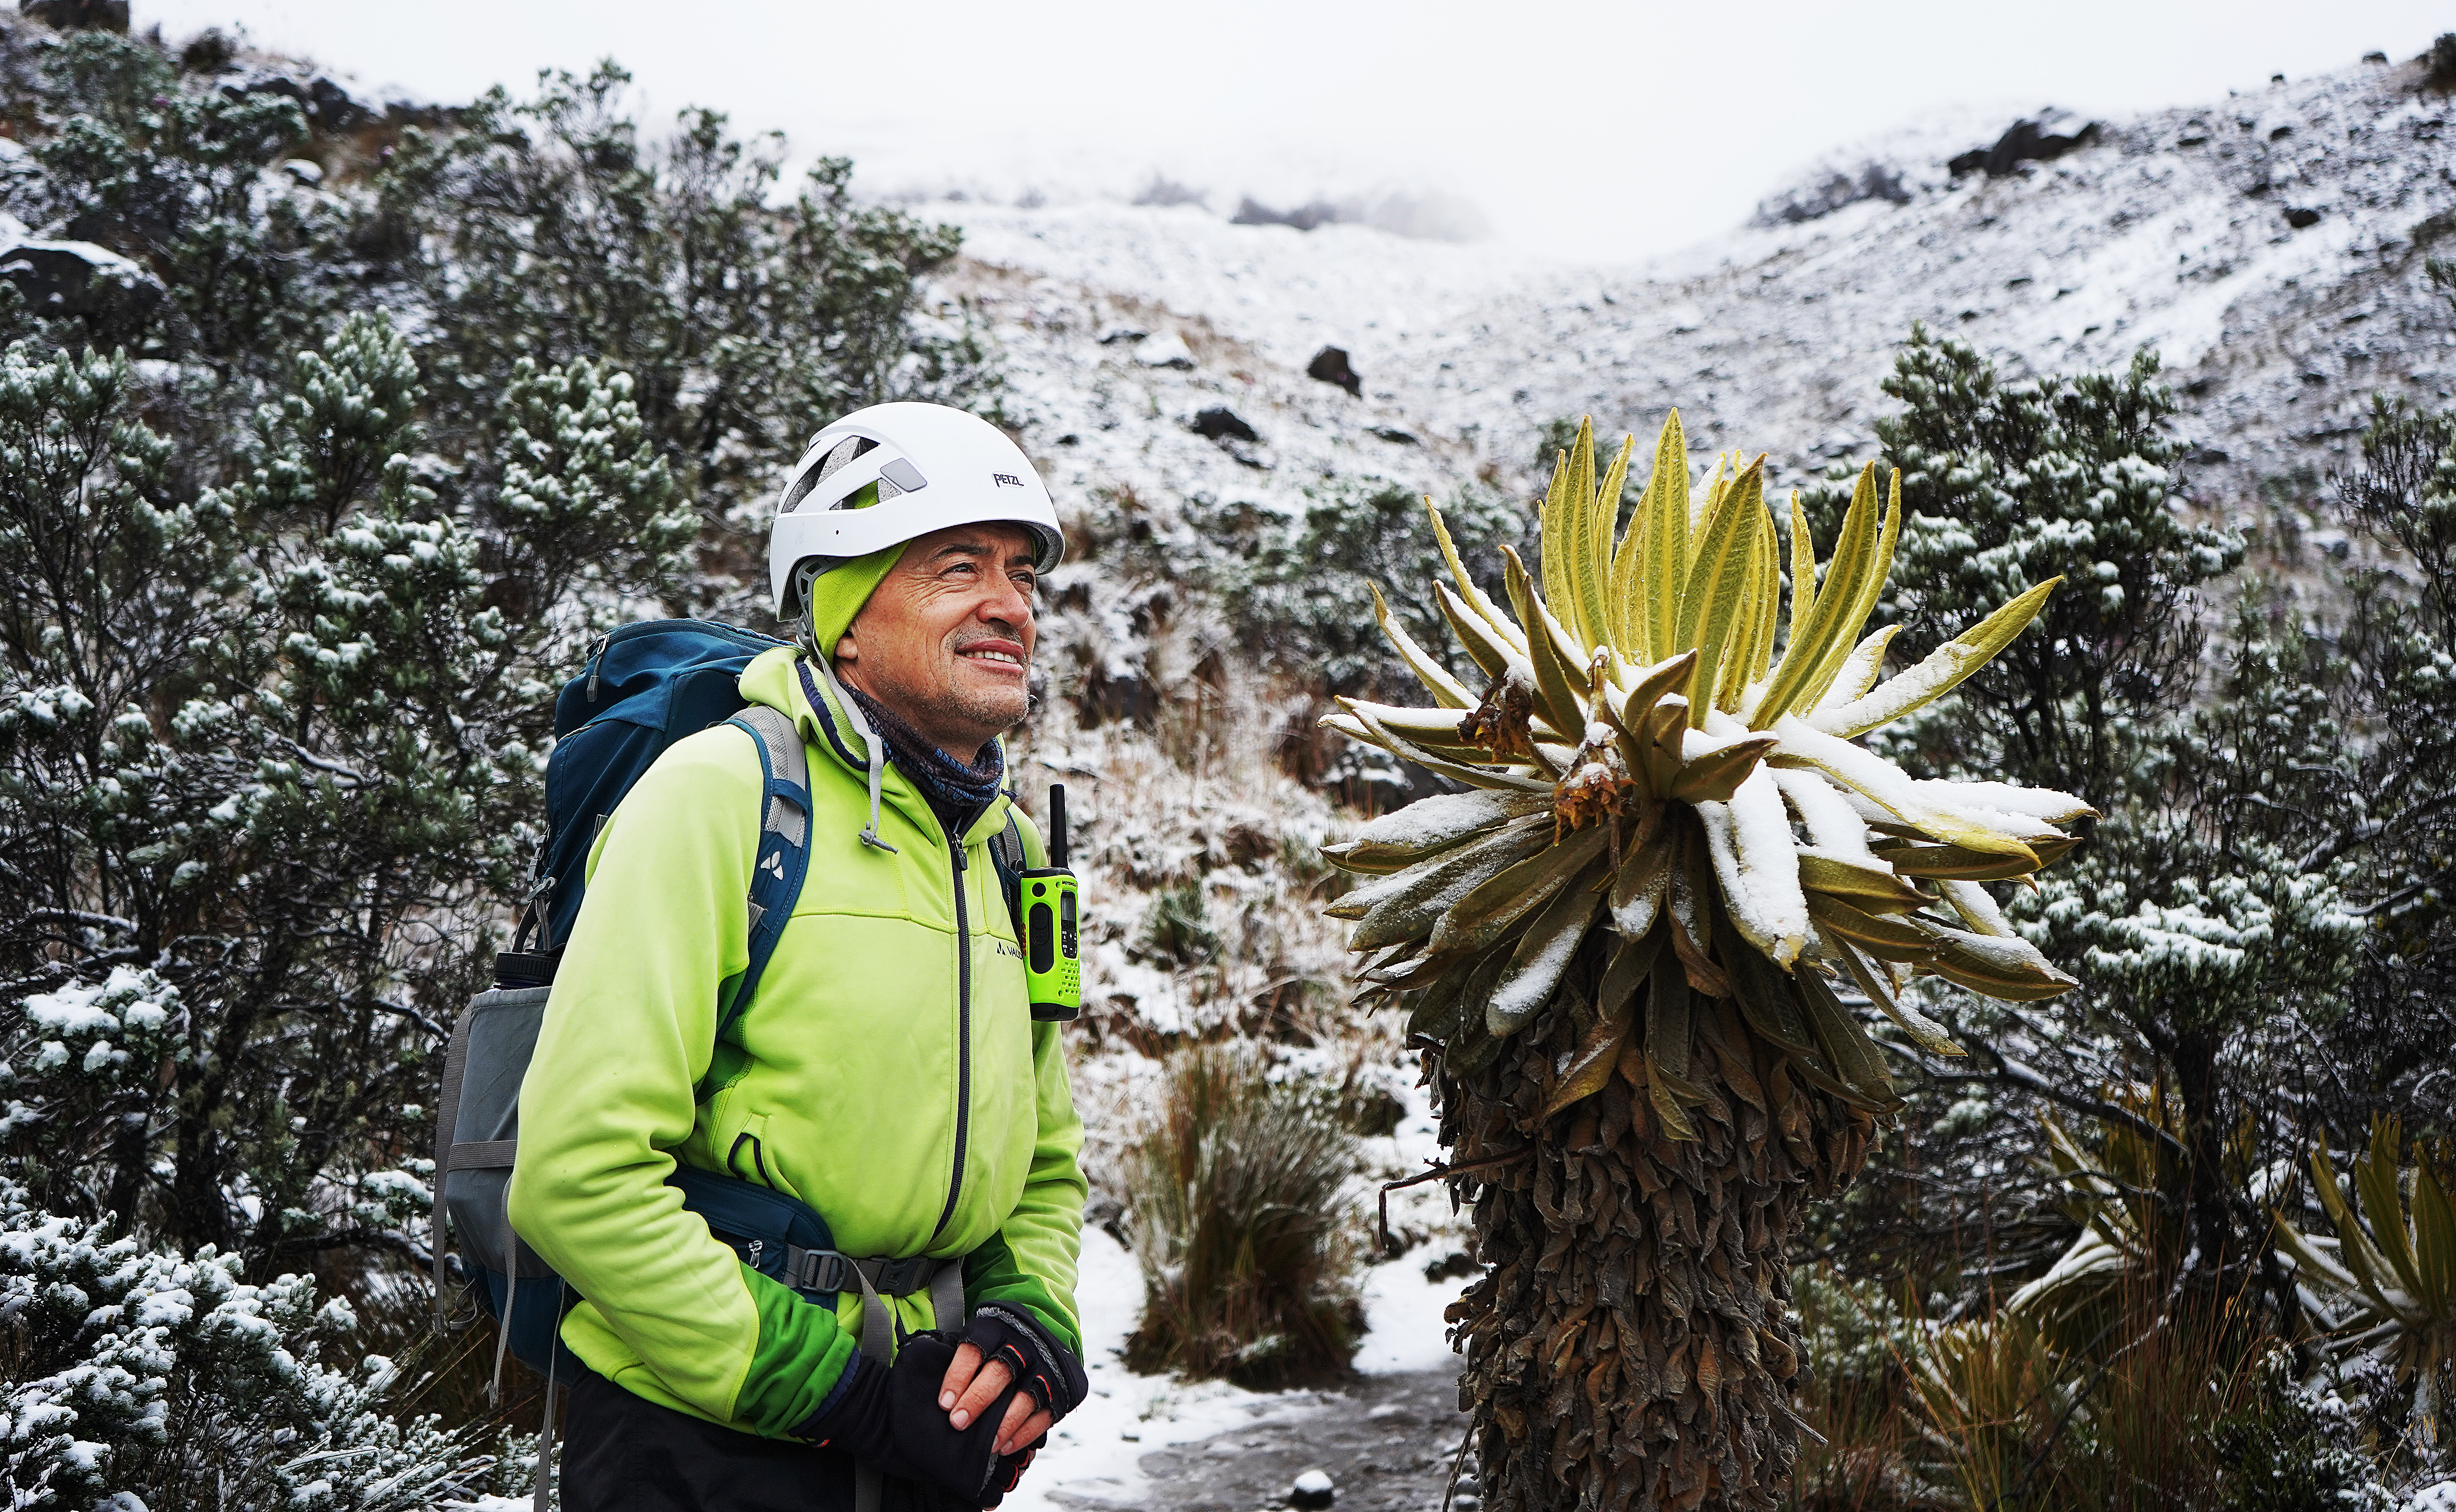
(817, 709)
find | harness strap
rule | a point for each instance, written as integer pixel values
(942, 1279)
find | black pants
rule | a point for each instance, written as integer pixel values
(624, 1453)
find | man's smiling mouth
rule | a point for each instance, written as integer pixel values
(992, 654)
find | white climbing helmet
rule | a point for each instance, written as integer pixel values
(935, 466)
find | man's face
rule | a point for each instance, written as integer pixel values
(945, 641)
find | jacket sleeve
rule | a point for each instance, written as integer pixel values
(1031, 1261)
(628, 1033)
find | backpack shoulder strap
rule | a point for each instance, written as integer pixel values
(783, 846)
(1007, 854)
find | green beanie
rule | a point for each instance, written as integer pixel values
(838, 594)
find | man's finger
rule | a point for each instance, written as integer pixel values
(1025, 1422)
(976, 1398)
(959, 1375)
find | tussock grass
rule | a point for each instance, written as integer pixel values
(1237, 1210)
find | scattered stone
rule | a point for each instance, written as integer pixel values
(2378, 58)
(1452, 1266)
(305, 170)
(1220, 423)
(61, 279)
(2298, 216)
(1165, 350)
(78, 15)
(1395, 435)
(1252, 212)
(2049, 136)
(1125, 334)
(1466, 1502)
(1312, 1491)
(1836, 190)
(1330, 365)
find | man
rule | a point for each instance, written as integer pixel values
(887, 1071)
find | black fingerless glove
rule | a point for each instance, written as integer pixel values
(887, 1417)
(1033, 1361)
(1008, 1473)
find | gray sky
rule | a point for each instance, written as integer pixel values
(1599, 130)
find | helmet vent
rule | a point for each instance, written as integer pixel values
(846, 450)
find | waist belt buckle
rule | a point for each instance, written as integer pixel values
(905, 1277)
(826, 1271)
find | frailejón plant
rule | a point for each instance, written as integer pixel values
(1629, 943)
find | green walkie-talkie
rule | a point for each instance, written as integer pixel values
(1052, 957)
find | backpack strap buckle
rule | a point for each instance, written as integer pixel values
(905, 1277)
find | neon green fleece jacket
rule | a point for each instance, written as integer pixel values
(887, 1072)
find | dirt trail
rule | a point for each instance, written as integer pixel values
(1384, 1441)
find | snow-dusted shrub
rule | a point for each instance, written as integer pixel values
(150, 1379)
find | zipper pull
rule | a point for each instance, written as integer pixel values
(597, 663)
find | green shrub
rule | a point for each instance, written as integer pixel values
(1237, 1215)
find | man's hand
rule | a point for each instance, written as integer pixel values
(970, 1387)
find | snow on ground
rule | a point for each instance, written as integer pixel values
(2269, 245)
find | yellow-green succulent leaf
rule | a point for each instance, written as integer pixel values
(1485, 647)
(1664, 558)
(1474, 776)
(1862, 881)
(1433, 728)
(1627, 610)
(2434, 1243)
(1803, 573)
(1769, 596)
(1560, 681)
(1486, 915)
(1716, 590)
(1473, 597)
(1541, 958)
(2375, 1177)
(1854, 614)
(1942, 670)
(1929, 1034)
(1603, 517)
(1767, 1004)
(1886, 938)
(1813, 638)
(1640, 886)
(1749, 840)
(1552, 531)
(1861, 668)
(2009, 968)
(1446, 688)
(2353, 1241)
(1844, 1040)
(1411, 904)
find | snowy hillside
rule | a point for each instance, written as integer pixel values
(2270, 245)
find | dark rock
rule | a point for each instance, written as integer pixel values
(2442, 60)
(1220, 423)
(326, 105)
(78, 15)
(1117, 334)
(1817, 200)
(2298, 216)
(1330, 365)
(1456, 1265)
(2380, 58)
(1251, 211)
(2049, 136)
(1166, 192)
(207, 52)
(1395, 435)
(77, 278)
(1312, 1491)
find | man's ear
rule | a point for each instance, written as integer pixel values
(847, 649)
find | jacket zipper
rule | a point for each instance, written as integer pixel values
(963, 1034)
